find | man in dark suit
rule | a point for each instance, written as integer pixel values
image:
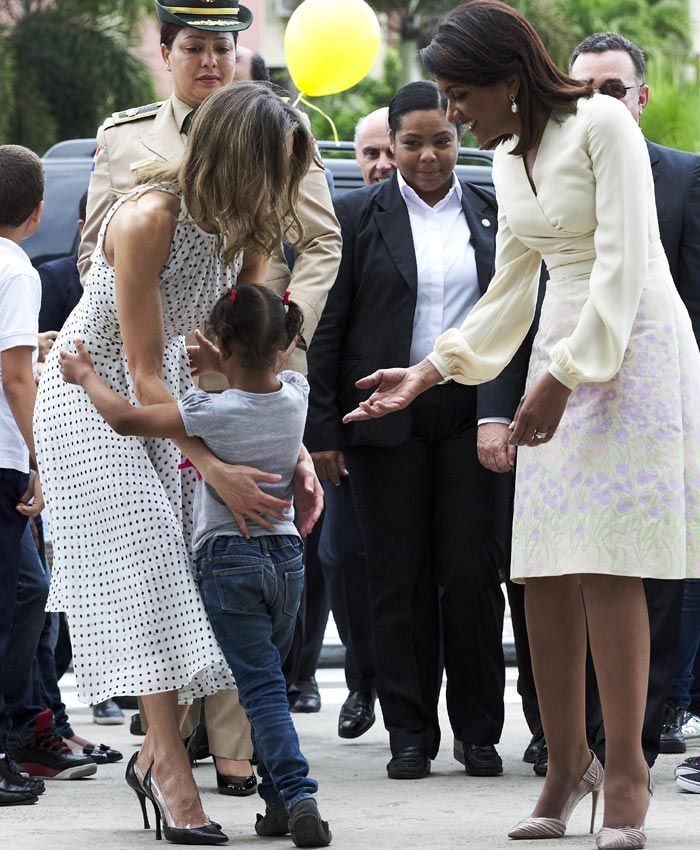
(615, 66)
(60, 284)
(401, 469)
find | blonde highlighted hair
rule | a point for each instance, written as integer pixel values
(236, 175)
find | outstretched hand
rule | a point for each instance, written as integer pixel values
(75, 367)
(396, 389)
(204, 357)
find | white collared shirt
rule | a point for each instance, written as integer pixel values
(448, 286)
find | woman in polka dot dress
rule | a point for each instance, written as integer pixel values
(121, 511)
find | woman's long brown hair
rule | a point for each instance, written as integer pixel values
(485, 42)
(236, 175)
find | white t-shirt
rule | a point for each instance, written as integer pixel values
(20, 300)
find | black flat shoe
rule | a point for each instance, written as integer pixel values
(135, 727)
(274, 823)
(236, 786)
(357, 714)
(481, 760)
(102, 754)
(533, 748)
(409, 763)
(208, 833)
(198, 745)
(306, 826)
(309, 699)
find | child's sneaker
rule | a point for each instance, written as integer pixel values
(306, 826)
(691, 726)
(688, 775)
(688, 766)
(274, 822)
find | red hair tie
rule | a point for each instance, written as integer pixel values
(234, 295)
(286, 297)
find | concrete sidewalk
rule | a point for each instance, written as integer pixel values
(364, 808)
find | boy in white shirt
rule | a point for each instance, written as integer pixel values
(21, 193)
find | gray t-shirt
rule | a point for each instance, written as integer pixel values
(262, 430)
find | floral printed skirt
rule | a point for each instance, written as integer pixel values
(617, 490)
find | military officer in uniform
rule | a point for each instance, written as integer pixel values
(198, 45)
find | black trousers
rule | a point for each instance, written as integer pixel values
(342, 555)
(665, 604)
(302, 660)
(434, 523)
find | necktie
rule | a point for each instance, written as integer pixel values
(187, 123)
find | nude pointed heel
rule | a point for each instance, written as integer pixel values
(590, 783)
(626, 838)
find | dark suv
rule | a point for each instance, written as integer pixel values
(68, 165)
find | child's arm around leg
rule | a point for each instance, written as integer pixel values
(156, 420)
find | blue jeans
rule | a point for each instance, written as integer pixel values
(251, 591)
(683, 691)
(17, 725)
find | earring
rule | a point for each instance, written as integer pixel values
(513, 104)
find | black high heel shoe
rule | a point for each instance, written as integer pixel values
(133, 781)
(209, 833)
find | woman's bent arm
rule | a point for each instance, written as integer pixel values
(139, 237)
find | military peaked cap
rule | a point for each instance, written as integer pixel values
(211, 15)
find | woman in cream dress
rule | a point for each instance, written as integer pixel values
(605, 490)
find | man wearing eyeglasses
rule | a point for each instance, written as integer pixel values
(615, 67)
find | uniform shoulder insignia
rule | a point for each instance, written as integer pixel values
(137, 112)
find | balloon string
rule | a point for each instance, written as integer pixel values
(328, 118)
(296, 102)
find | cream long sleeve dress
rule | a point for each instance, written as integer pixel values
(616, 490)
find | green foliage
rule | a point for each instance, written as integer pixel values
(75, 69)
(672, 116)
(652, 24)
(7, 98)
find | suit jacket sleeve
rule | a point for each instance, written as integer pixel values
(100, 199)
(317, 257)
(689, 252)
(323, 426)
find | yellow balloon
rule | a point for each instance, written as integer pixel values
(330, 45)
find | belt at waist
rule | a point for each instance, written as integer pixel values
(562, 270)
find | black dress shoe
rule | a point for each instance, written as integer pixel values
(672, 740)
(14, 780)
(409, 763)
(135, 727)
(198, 745)
(309, 699)
(478, 760)
(236, 786)
(530, 754)
(357, 714)
(542, 761)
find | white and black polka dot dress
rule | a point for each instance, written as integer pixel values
(121, 511)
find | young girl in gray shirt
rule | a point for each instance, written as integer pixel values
(251, 578)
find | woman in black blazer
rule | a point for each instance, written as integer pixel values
(418, 251)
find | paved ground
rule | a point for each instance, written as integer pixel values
(366, 810)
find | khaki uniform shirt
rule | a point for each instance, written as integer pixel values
(129, 140)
